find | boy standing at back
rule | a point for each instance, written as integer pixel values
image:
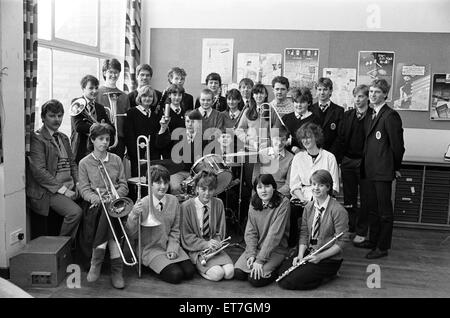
(144, 74)
(329, 113)
(111, 70)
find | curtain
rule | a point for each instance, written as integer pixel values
(132, 44)
(30, 65)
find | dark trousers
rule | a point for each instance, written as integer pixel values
(381, 214)
(309, 275)
(295, 224)
(175, 273)
(241, 275)
(352, 181)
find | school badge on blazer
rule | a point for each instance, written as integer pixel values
(333, 126)
(378, 135)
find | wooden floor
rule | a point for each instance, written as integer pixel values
(418, 266)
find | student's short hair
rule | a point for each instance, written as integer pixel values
(381, 84)
(111, 64)
(206, 179)
(193, 114)
(213, 77)
(322, 176)
(282, 80)
(176, 71)
(159, 173)
(207, 91)
(303, 95)
(175, 88)
(280, 132)
(234, 94)
(275, 201)
(147, 91)
(325, 82)
(311, 129)
(361, 88)
(88, 78)
(246, 82)
(144, 67)
(98, 129)
(52, 105)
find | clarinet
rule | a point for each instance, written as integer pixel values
(325, 246)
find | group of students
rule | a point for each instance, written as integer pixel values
(294, 183)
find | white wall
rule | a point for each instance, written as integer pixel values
(12, 173)
(342, 15)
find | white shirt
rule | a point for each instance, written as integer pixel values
(144, 111)
(317, 207)
(301, 116)
(199, 208)
(208, 112)
(327, 103)
(104, 160)
(302, 168)
(377, 108)
(175, 108)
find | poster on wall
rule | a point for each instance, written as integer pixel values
(440, 97)
(258, 67)
(301, 67)
(375, 65)
(344, 81)
(412, 87)
(248, 66)
(217, 56)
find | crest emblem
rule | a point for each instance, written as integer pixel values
(378, 135)
(333, 126)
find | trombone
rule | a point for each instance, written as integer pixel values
(265, 111)
(141, 143)
(78, 106)
(115, 207)
(112, 113)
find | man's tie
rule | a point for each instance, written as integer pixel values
(204, 114)
(161, 206)
(232, 116)
(323, 106)
(205, 222)
(374, 115)
(56, 138)
(316, 226)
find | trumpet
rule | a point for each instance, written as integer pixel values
(206, 254)
(322, 248)
(78, 106)
(115, 207)
(112, 114)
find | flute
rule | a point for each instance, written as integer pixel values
(322, 248)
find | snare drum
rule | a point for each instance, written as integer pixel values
(216, 164)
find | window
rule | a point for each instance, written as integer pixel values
(74, 37)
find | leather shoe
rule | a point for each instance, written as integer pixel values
(365, 244)
(376, 253)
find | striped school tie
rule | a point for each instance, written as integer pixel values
(316, 226)
(205, 222)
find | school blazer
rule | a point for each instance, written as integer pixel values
(80, 131)
(346, 127)
(330, 125)
(384, 146)
(41, 169)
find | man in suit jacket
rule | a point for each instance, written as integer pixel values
(82, 122)
(144, 74)
(329, 113)
(383, 154)
(352, 133)
(52, 174)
